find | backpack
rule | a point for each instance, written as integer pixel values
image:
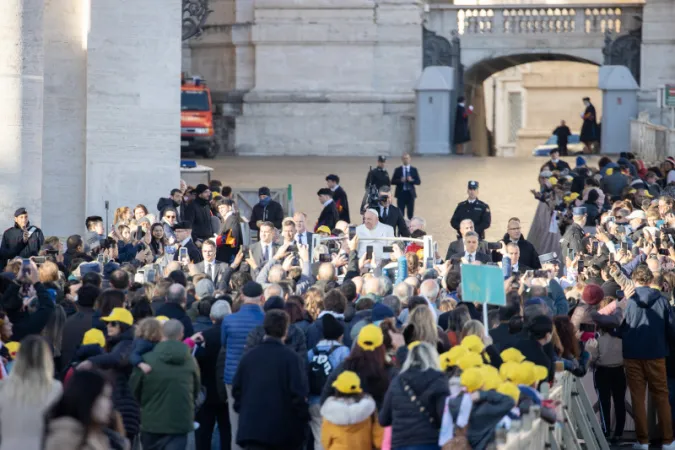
(320, 368)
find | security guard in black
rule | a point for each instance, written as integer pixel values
(379, 175)
(474, 209)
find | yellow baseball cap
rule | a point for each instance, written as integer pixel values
(162, 319)
(507, 370)
(94, 336)
(120, 315)
(470, 360)
(370, 337)
(449, 358)
(473, 343)
(472, 379)
(512, 354)
(348, 382)
(491, 378)
(323, 229)
(13, 348)
(528, 373)
(510, 390)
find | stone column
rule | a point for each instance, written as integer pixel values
(658, 49)
(332, 77)
(21, 103)
(133, 103)
(65, 110)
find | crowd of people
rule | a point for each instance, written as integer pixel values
(172, 331)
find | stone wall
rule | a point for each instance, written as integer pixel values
(332, 77)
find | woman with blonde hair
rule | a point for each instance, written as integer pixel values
(26, 395)
(122, 217)
(313, 302)
(421, 326)
(489, 351)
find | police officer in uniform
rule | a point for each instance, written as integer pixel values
(574, 234)
(474, 209)
(379, 175)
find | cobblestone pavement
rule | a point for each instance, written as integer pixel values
(504, 185)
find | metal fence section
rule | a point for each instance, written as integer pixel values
(653, 143)
(579, 427)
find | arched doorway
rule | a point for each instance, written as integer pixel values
(489, 116)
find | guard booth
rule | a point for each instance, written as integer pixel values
(619, 107)
(434, 111)
(246, 199)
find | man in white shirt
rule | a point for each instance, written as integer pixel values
(302, 236)
(217, 271)
(373, 228)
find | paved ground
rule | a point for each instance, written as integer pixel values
(504, 184)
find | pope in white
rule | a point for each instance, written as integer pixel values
(373, 228)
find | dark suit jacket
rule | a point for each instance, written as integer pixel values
(480, 256)
(395, 220)
(398, 182)
(342, 204)
(256, 251)
(193, 253)
(457, 247)
(329, 216)
(223, 273)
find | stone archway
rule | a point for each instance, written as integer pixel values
(476, 74)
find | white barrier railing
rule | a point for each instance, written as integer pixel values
(426, 241)
(579, 422)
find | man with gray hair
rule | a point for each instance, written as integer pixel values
(417, 223)
(167, 394)
(214, 410)
(457, 247)
(403, 291)
(471, 254)
(174, 308)
(429, 289)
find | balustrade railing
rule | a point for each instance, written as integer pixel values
(542, 19)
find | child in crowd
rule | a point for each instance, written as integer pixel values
(93, 343)
(323, 359)
(349, 417)
(148, 333)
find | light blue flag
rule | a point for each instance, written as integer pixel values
(483, 284)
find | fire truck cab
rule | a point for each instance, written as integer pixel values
(196, 118)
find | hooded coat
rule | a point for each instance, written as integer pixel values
(486, 413)
(350, 424)
(66, 433)
(167, 394)
(647, 326)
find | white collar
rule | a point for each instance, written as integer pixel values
(471, 201)
(335, 188)
(469, 254)
(185, 242)
(407, 167)
(328, 202)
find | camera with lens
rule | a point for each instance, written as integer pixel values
(384, 198)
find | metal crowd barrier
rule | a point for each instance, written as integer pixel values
(579, 427)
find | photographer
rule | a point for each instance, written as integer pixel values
(27, 303)
(390, 214)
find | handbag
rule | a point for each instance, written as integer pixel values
(453, 435)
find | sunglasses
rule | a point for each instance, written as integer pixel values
(114, 324)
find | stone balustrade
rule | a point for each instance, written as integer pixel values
(652, 143)
(543, 19)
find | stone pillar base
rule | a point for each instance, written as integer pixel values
(325, 124)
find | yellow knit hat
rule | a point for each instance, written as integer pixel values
(13, 348)
(94, 336)
(370, 337)
(470, 360)
(473, 343)
(472, 379)
(512, 354)
(510, 390)
(348, 382)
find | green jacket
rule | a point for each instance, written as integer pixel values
(167, 394)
